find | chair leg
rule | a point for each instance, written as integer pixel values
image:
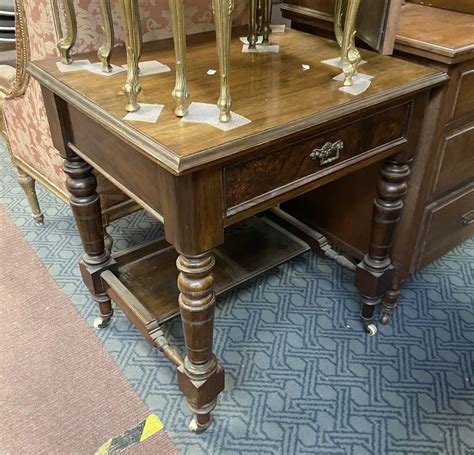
(28, 184)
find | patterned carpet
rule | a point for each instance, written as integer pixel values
(301, 375)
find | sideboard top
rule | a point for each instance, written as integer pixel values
(436, 32)
(272, 90)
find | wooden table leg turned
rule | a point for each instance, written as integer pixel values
(374, 274)
(180, 92)
(133, 38)
(223, 10)
(200, 378)
(85, 204)
(105, 51)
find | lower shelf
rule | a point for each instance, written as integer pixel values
(146, 288)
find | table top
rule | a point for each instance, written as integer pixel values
(439, 31)
(271, 90)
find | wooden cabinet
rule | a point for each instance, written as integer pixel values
(439, 211)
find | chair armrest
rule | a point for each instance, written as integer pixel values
(7, 78)
(20, 82)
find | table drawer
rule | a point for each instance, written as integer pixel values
(303, 161)
(449, 222)
(457, 160)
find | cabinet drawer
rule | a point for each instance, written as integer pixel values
(450, 222)
(457, 159)
(298, 163)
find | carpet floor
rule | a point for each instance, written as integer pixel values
(301, 375)
(60, 390)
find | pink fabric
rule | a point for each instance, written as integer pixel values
(30, 138)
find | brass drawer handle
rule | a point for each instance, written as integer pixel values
(467, 218)
(329, 153)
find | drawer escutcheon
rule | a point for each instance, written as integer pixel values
(467, 218)
(329, 153)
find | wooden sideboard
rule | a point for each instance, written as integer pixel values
(206, 185)
(439, 213)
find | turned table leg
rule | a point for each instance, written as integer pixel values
(180, 92)
(350, 55)
(67, 39)
(133, 38)
(375, 273)
(201, 377)
(85, 204)
(223, 10)
(105, 51)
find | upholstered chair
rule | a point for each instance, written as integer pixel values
(27, 127)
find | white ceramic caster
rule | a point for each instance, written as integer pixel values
(372, 329)
(101, 323)
(196, 427)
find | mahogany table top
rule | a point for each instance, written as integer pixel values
(271, 90)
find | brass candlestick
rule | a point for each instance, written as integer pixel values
(66, 39)
(133, 42)
(105, 51)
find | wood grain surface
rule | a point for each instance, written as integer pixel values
(436, 30)
(272, 90)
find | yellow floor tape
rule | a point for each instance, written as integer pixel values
(148, 427)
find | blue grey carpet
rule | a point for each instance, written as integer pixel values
(301, 375)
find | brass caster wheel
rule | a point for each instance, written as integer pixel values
(196, 427)
(372, 330)
(102, 322)
(385, 318)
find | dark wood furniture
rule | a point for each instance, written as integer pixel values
(440, 207)
(206, 185)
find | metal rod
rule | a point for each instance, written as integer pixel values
(350, 55)
(223, 10)
(338, 14)
(133, 40)
(105, 51)
(180, 92)
(65, 38)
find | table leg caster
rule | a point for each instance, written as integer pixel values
(385, 318)
(200, 423)
(371, 330)
(102, 322)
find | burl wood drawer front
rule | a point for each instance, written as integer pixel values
(449, 223)
(457, 159)
(271, 172)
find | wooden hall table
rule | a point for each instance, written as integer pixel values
(207, 185)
